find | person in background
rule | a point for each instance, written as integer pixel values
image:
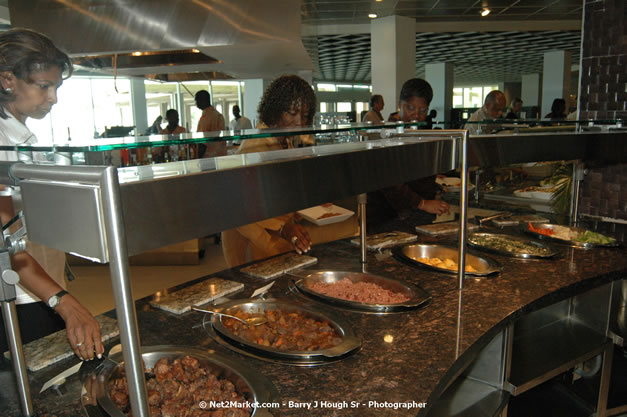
(492, 109)
(289, 101)
(374, 114)
(172, 128)
(514, 109)
(400, 200)
(239, 122)
(210, 121)
(32, 68)
(558, 110)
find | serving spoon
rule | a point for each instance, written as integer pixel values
(251, 321)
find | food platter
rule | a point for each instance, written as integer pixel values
(253, 386)
(452, 184)
(348, 345)
(483, 266)
(415, 296)
(326, 214)
(567, 235)
(512, 246)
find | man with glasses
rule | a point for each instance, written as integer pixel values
(416, 196)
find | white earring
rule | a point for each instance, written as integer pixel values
(9, 90)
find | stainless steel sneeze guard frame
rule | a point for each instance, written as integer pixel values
(66, 216)
(225, 198)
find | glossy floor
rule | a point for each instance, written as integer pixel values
(92, 286)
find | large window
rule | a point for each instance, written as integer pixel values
(471, 97)
(85, 107)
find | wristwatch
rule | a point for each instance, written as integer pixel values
(54, 300)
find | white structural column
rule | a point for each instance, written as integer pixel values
(139, 106)
(555, 78)
(530, 90)
(441, 77)
(253, 91)
(393, 49)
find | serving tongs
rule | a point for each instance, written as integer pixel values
(481, 220)
(251, 321)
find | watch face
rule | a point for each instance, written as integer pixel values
(53, 301)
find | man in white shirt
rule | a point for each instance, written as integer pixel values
(239, 121)
(492, 109)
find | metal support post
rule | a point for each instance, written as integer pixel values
(361, 200)
(124, 303)
(578, 175)
(9, 278)
(463, 210)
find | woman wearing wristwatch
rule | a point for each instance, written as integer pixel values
(31, 71)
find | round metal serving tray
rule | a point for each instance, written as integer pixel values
(552, 253)
(411, 253)
(417, 296)
(349, 344)
(572, 243)
(253, 386)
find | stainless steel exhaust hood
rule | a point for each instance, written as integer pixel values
(242, 38)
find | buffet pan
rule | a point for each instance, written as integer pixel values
(572, 231)
(254, 387)
(484, 266)
(416, 296)
(512, 246)
(349, 342)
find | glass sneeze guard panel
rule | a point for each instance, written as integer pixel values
(130, 142)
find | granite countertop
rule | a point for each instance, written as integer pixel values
(404, 357)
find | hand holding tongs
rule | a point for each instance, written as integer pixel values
(251, 321)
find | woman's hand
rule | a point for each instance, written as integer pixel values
(298, 236)
(434, 206)
(83, 331)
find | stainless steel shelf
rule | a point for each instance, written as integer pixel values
(470, 398)
(551, 350)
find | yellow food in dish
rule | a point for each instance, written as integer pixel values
(447, 263)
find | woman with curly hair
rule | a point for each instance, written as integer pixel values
(288, 102)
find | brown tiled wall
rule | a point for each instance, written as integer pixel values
(604, 60)
(604, 192)
(604, 96)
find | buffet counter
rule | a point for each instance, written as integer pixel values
(407, 359)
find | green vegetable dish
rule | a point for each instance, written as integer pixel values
(509, 245)
(594, 238)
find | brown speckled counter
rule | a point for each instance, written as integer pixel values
(425, 352)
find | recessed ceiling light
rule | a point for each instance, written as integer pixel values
(372, 15)
(378, 1)
(485, 12)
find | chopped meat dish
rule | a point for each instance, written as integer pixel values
(285, 331)
(177, 389)
(361, 292)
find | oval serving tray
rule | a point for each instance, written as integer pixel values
(572, 243)
(417, 296)
(350, 343)
(485, 266)
(251, 384)
(549, 252)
